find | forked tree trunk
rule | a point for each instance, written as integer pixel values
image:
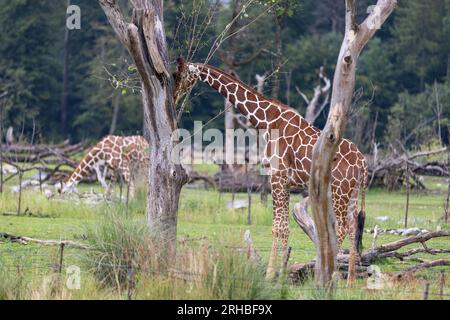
(145, 39)
(355, 39)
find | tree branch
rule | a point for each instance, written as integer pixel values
(149, 24)
(403, 255)
(374, 21)
(303, 219)
(422, 266)
(117, 20)
(25, 240)
(404, 242)
(427, 153)
(350, 17)
(311, 110)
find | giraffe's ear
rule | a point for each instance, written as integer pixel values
(181, 65)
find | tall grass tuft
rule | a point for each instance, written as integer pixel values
(124, 256)
(233, 276)
(121, 245)
(12, 284)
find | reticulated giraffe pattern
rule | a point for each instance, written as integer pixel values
(120, 154)
(288, 153)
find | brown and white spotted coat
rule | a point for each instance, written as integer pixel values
(117, 153)
(290, 159)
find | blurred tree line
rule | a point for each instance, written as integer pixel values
(403, 86)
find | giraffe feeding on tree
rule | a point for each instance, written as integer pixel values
(288, 152)
(120, 154)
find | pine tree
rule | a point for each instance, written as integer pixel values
(29, 62)
(420, 42)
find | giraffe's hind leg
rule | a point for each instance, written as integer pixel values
(340, 205)
(280, 224)
(352, 218)
(101, 174)
(128, 177)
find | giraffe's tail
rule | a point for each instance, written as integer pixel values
(361, 214)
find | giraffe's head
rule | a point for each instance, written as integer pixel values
(186, 76)
(66, 187)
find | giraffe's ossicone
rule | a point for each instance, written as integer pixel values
(288, 153)
(122, 155)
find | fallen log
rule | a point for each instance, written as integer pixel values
(194, 176)
(299, 272)
(37, 153)
(25, 240)
(390, 172)
(420, 267)
(237, 180)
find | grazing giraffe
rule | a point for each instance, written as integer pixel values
(290, 160)
(112, 152)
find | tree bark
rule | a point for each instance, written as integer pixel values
(313, 110)
(355, 39)
(145, 39)
(298, 272)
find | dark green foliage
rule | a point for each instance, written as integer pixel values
(420, 42)
(29, 62)
(411, 111)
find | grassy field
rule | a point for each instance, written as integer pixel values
(28, 270)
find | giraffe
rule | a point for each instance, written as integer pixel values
(113, 152)
(289, 162)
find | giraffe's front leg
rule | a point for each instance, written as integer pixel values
(280, 226)
(128, 177)
(101, 176)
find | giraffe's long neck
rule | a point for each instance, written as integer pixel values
(84, 168)
(261, 112)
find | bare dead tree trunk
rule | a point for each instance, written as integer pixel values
(116, 109)
(65, 81)
(145, 39)
(313, 110)
(355, 39)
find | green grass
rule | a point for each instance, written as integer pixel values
(202, 214)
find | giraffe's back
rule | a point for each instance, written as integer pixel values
(349, 165)
(117, 151)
